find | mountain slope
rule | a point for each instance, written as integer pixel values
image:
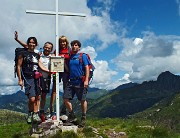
(9, 117)
(121, 103)
(165, 112)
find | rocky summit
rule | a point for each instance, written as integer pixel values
(50, 127)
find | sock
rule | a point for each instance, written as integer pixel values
(83, 114)
(42, 111)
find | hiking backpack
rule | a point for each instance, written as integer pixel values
(91, 66)
(18, 51)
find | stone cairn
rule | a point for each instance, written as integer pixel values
(50, 127)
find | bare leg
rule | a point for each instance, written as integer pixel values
(31, 104)
(53, 97)
(84, 106)
(43, 101)
(68, 105)
(36, 104)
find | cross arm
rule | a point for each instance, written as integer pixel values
(54, 13)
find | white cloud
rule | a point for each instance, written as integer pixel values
(137, 41)
(147, 59)
(114, 84)
(6, 90)
(102, 74)
(141, 58)
(178, 2)
(7, 72)
(98, 28)
(91, 51)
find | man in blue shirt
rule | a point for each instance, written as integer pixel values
(78, 82)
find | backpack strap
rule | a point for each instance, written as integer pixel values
(91, 66)
(80, 58)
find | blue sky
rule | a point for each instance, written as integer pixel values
(128, 40)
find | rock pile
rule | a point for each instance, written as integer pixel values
(50, 128)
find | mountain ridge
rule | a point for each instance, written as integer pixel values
(125, 102)
(135, 97)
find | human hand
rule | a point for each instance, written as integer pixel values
(86, 84)
(20, 83)
(16, 35)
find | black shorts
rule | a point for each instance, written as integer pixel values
(64, 77)
(71, 90)
(45, 84)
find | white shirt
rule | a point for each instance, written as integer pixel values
(46, 63)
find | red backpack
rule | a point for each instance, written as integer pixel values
(91, 66)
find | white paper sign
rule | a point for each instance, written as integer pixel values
(57, 64)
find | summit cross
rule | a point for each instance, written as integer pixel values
(56, 13)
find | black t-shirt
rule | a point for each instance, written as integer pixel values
(30, 63)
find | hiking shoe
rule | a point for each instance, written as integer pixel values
(29, 118)
(71, 117)
(83, 121)
(47, 114)
(64, 118)
(36, 118)
(42, 117)
(53, 116)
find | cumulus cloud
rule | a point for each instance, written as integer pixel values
(9, 90)
(178, 3)
(147, 59)
(141, 58)
(102, 74)
(96, 28)
(125, 79)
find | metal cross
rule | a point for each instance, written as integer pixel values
(56, 13)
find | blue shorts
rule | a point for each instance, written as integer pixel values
(71, 90)
(32, 89)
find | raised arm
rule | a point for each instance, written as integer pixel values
(20, 42)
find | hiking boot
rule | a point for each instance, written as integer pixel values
(71, 117)
(83, 121)
(42, 117)
(64, 118)
(53, 116)
(47, 114)
(36, 118)
(29, 118)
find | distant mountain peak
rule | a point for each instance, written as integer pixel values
(168, 81)
(166, 75)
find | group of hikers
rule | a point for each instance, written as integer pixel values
(33, 71)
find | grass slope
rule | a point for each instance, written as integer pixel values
(9, 117)
(95, 128)
(166, 113)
